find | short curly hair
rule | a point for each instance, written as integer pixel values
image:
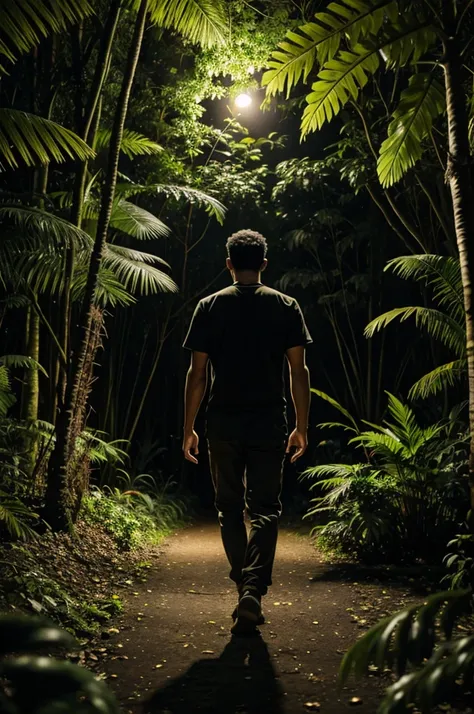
(247, 250)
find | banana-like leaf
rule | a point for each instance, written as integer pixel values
(37, 141)
(446, 375)
(133, 143)
(439, 325)
(420, 104)
(136, 270)
(24, 22)
(19, 633)
(203, 22)
(23, 362)
(341, 79)
(320, 40)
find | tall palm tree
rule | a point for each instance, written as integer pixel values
(427, 45)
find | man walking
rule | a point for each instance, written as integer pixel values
(245, 331)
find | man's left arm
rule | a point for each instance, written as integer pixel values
(196, 383)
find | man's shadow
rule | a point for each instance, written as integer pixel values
(241, 680)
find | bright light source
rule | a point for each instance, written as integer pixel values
(243, 100)
(251, 69)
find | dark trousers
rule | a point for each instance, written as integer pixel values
(248, 475)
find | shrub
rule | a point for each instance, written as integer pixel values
(405, 500)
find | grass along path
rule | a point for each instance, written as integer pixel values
(173, 653)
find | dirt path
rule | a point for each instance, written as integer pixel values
(173, 653)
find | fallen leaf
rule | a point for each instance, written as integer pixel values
(207, 652)
(355, 701)
(158, 666)
(276, 603)
(313, 705)
(315, 622)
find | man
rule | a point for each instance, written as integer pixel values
(245, 331)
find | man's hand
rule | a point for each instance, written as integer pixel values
(299, 439)
(191, 447)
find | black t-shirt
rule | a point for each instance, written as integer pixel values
(246, 331)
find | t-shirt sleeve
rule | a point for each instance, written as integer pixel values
(198, 337)
(297, 334)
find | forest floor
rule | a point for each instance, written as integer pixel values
(171, 651)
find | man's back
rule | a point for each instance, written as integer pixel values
(246, 330)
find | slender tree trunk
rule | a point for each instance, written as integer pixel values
(57, 513)
(462, 194)
(30, 395)
(86, 130)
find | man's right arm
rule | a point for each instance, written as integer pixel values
(301, 395)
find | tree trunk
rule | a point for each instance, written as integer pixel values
(57, 512)
(462, 195)
(30, 395)
(86, 130)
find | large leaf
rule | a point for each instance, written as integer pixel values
(439, 325)
(178, 193)
(24, 22)
(37, 141)
(22, 362)
(420, 103)
(136, 270)
(201, 21)
(341, 79)
(7, 398)
(442, 273)
(136, 221)
(133, 143)
(446, 375)
(320, 40)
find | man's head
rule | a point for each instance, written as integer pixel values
(247, 252)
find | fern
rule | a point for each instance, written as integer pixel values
(420, 103)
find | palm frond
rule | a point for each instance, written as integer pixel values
(405, 427)
(37, 141)
(178, 193)
(7, 398)
(320, 40)
(439, 325)
(446, 375)
(420, 104)
(337, 406)
(24, 22)
(37, 225)
(22, 362)
(136, 221)
(381, 443)
(136, 270)
(340, 79)
(133, 143)
(14, 515)
(109, 290)
(200, 21)
(442, 273)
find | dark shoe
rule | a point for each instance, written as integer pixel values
(261, 620)
(249, 614)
